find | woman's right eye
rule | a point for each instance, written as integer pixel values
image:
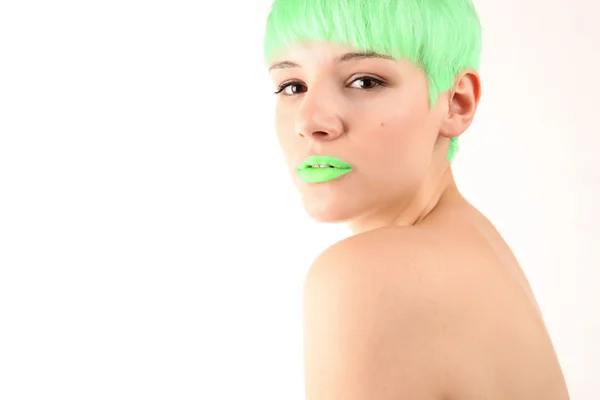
(290, 88)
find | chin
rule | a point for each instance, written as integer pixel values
(328, 211)
(330, 202)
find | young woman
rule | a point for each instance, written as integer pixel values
(425, 300)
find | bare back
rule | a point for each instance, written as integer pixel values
(508, 352)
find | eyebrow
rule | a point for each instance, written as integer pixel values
(339, 59)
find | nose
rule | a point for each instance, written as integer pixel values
(318, 119)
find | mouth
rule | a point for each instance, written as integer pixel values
(312, 162)
(320, 166)
(315, 169)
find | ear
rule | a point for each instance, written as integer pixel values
(463, 100)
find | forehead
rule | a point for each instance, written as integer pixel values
(326, 55)
(321, 53)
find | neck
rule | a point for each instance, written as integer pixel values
(439, 185)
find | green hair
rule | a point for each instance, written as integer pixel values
(442, 37)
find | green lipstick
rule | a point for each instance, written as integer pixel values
(315, 169)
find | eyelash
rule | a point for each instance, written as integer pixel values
(378, 82)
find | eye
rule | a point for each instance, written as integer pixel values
(290, 88)
(368, 82)
(295, 87)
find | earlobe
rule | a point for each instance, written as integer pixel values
(463, 100)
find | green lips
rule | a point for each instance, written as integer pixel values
(316, 169)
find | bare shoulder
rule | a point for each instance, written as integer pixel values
(403, 313)
(410, 262)
(372, 252)
(375, 323)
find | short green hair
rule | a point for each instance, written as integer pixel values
(442, 37)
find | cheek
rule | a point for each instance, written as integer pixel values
(400, 135)
(397, 151)
(285, 135)
(398, 120)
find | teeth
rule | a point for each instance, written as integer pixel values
(321, 166)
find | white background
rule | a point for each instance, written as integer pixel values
(152, 245)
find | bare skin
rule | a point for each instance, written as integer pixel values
(511, 335)
(403, 206)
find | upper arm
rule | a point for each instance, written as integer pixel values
(374, 327)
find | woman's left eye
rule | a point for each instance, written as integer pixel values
(368, 82)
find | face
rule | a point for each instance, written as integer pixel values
(373, 113)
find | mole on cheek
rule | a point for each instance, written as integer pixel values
(382, 124)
